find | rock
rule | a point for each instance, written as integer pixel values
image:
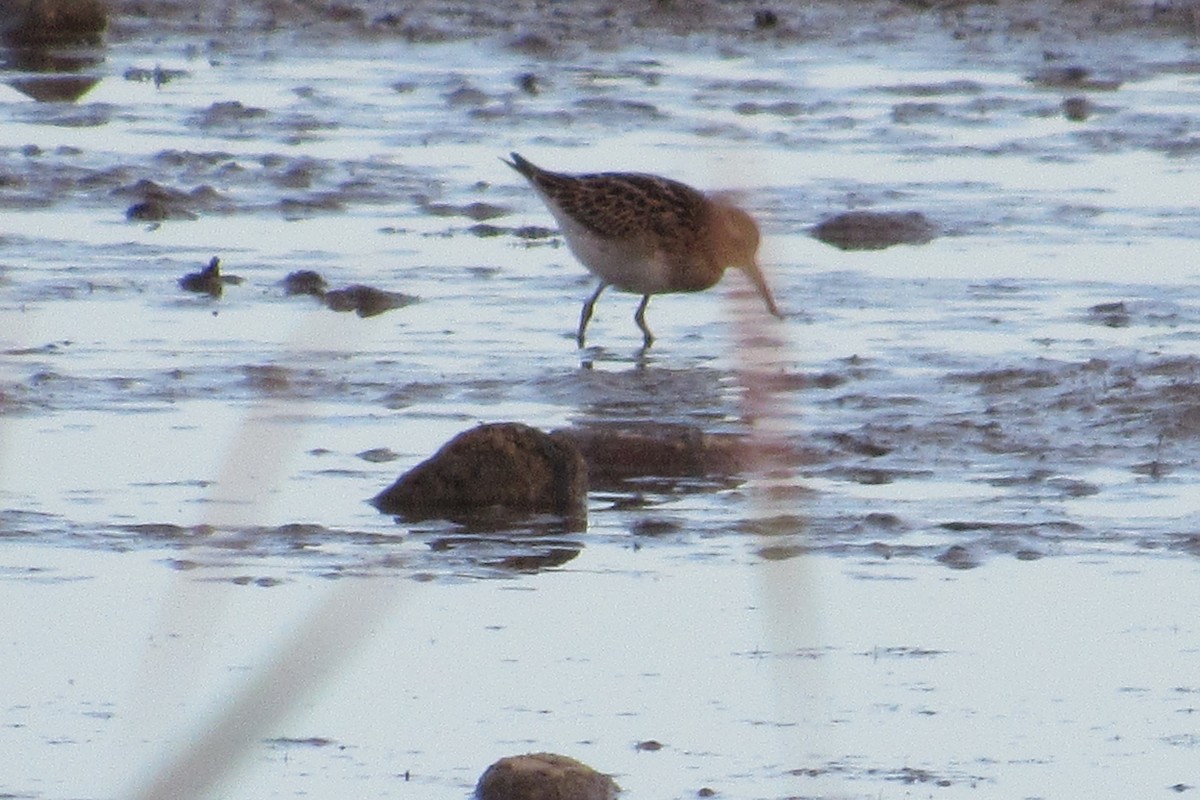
(505, 468)
(620, 451)
(157, 210)
(1077, 108)
(51, 23)
(230, 112)
(366, 301)
(765, 18)
(871, 230)
(529, 83)
(305, 281)
(958, 557)
(1072, 77)
(157, 202)
(1113, 315)
(544, 776)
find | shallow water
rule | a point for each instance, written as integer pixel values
(968, 568)
(759, 678)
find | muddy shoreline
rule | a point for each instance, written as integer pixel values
(239, 174)
(549, 29)
(935, 528)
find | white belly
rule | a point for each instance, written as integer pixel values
(628, 266)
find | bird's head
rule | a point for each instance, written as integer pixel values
(736, 245)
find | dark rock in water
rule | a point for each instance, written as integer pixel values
(958, 557)
(158, 202)
(207, 281)
(765, 18)
(532, 44)
(366, 301)
(157, 210)
(1072, 77)
(147, 211)
(534, 232)
(378, 455)
(305, 281)
(544, 776)
(505, 468)
(620, 451)
(52, 23)
(1114, 315)
(1077, 109)
(529, 83)
(231, 112)
(485, 231)
(871, 230)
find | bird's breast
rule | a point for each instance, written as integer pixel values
(628, 264)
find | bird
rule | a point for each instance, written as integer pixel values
(647, 235)
(207, 281)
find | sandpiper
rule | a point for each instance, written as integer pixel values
(647, 235)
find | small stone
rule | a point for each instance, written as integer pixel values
(378, 455)
(1077, 109)
(765, 18)
(529, 83)
(304, 281)
(871, 230)
(1072, 77)
(366, 301)
(544, 776)
(958, 557)
(158, 202)
(1113, 315)
(147, 211)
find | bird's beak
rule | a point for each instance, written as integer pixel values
(760, 283)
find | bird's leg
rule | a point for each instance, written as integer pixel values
(640, 318)
(586, 316)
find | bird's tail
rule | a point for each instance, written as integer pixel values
(521, 165)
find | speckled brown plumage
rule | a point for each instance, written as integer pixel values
(625, 204)
(646, 234)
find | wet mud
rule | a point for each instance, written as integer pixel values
(988, 375)
(1026, 432)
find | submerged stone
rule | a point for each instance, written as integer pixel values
(544, 776)
(873, 230)
(366, 301)
(157, 202)
(305, 281)
(620, 451)
(506, 468)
